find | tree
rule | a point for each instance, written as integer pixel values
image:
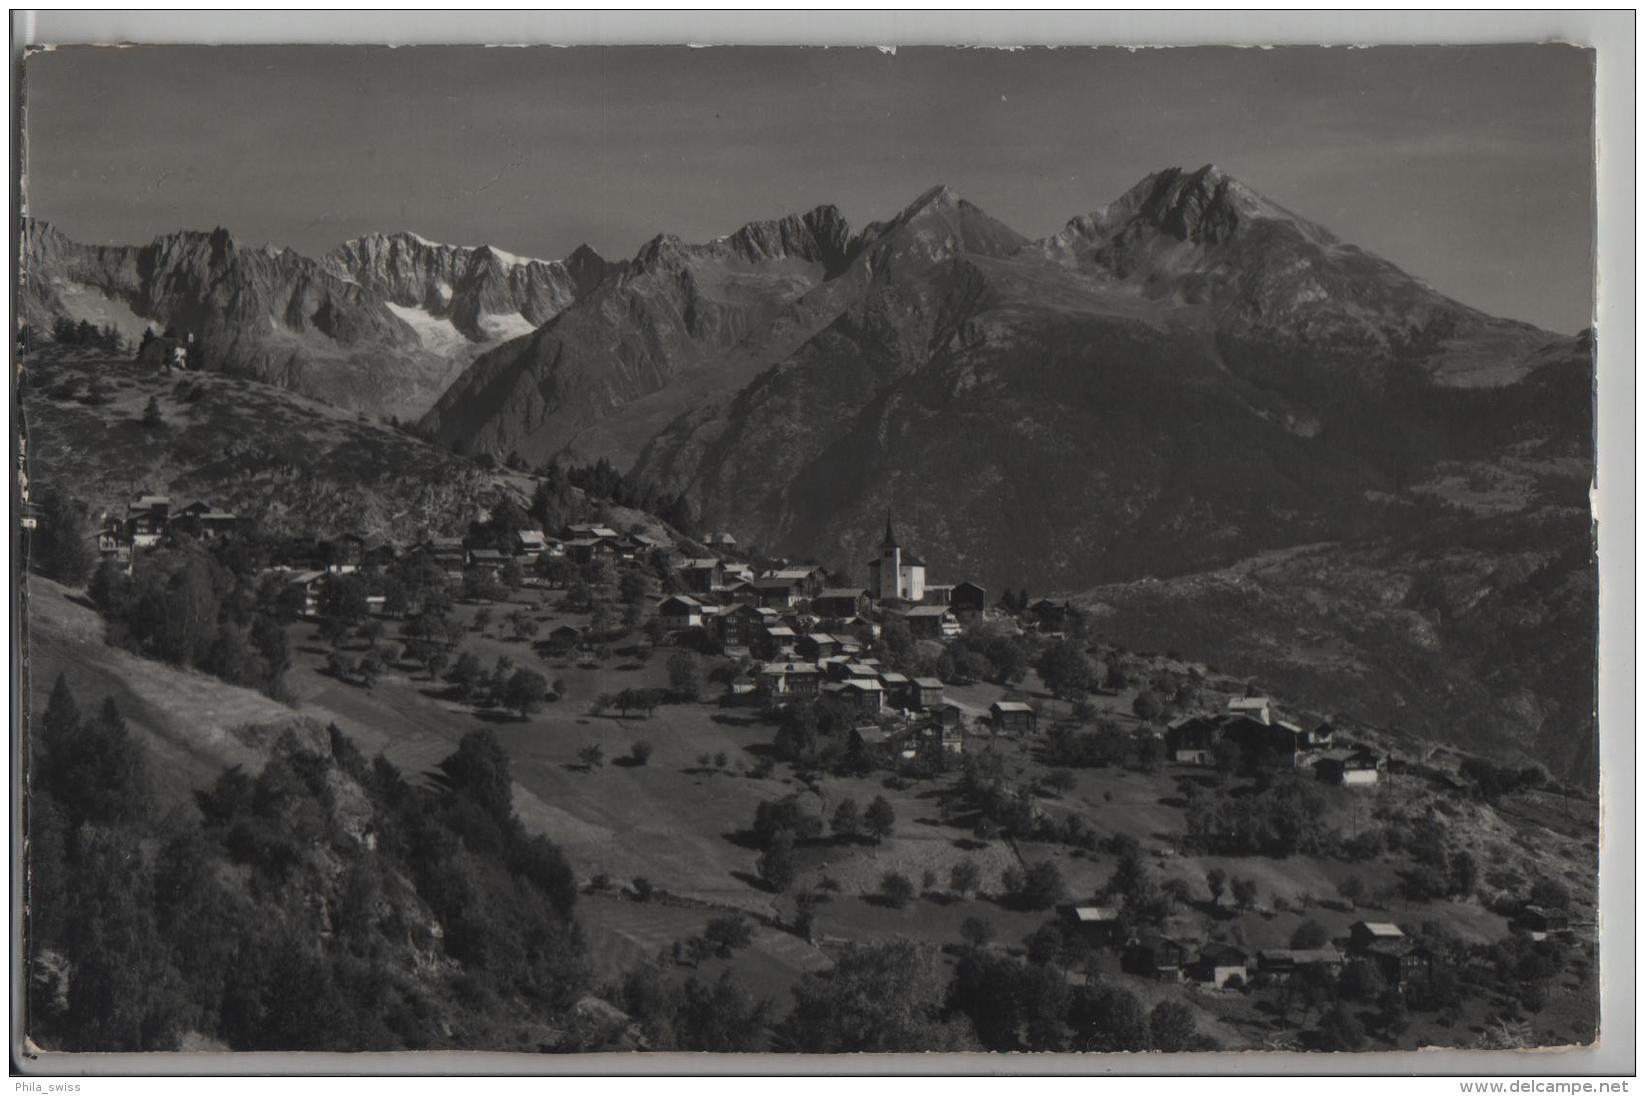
(466, 674)
(1244, 892)
(776, 864)
(977, 931)
(1351, 889)
(526, 691)
(1215, 880)
(728, 933)
(640, 752)
(591, 757)
(847, 821)
(1339, 1030)
(1065, 669)
(1550, 894)
(896, 889)
(1147, 706)
(880, 819)
(1041, 886)
(1171, 1026)
(60, 542)
(685, 675)
(1310, 934)
(884, 997)
(964, 877)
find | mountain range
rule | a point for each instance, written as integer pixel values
(1184, 381)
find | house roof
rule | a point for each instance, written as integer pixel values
(682, 600)
(867, 684)
(531, 536)
(1010, 706)
(892, 678)
(1221, 954)
(928, 682)
(780, 631)
(821, 637)
(928, 611)
(486, 553)
(1386, 929)
(698, 564)
(305, 577)
(1095, 914)
(841, 592)
(1248, 703)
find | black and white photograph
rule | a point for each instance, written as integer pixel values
(801, 551)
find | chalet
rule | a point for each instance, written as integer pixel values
(740, 625)
(948, 714)
(168, 351)
(1401, 963)
(840, 603)
(810, 579)
(1100, 926)
(866, 670)
(816, 645)
(208, 522)
(776, 641)
(1052, 615)
(927, 693)
(530, 543)
(1192, 740)
(1218, 964)
(592, 531)
(733, 569)
(1154, 957)
(377, 604)
(866, 694)
(1320, 737)
(725, 542)
(737, 591)
(898, 689)
(564, 639)
(379, 555)
(486, 559)
(968, 601)
(701, 576)
(114, 544)
(343, 555)
(1259, 708)
(1542, 923)
(678, 612)
(1350, 768)
(1263, 744)
(1362, 935)
(931, 622)
(586, 550)
(779, 593)
(1279, 964)
(937, 595)
(642, 546)
(447, 553)
(311, 583)
(1013, 717)
(789, 679)
(146, 519)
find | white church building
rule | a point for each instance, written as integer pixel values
(896, 573)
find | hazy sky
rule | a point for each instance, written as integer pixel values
(1471, 168)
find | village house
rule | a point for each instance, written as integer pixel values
(740, 625)
(447, 554)
(530, 542)
(789, 680)
(1051, 614)
(840, 604)
(1099, 926)
(1192, 740)
(816, 645)
(896, 574)
(146, 519)
(809, 579)
(737, 591)
(1259, 708)
(775, 641)
(701, 576)
(114, 542)
(1262, 744)
(311, 583)
(1012, 717)
(968, 602)
(207, 521)
(342, 555)
(1279, 964)
(865, 695)
(1542, 923)
(1218, 964)
(898, 689)
(1362, 935)
(1156, 957)
(486, 559)
(379, 555)
(779, 593)
(927, 693)
(723, 541)
(940, 594)
(678, 612)
(1350, 768)
(564, 639)
(931, 622)
(586, 550)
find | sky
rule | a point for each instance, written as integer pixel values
(1471, 168)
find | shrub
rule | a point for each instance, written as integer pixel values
(896, 889)
(640, 752)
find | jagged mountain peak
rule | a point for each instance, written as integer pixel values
(1205, 206)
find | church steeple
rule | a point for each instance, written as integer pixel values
(890, 540)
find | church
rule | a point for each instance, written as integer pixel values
(896, 573)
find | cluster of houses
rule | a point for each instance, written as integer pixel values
(1398, 959)
(1253, 727)
(148, 518)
